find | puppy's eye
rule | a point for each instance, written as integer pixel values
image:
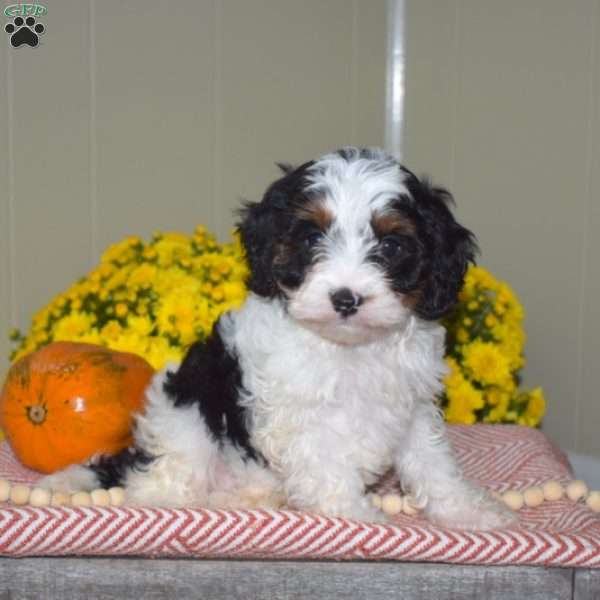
(390, 246)
(312, 239)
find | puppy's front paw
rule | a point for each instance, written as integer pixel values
(474, 510)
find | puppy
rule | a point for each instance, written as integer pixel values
(327, 376)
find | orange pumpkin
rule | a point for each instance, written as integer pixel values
(68, 401)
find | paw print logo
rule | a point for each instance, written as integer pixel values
(24, 31)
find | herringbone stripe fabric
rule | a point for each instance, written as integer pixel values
(500, 457)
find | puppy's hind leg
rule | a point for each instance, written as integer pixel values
(175, 455)
(75, 478)
(171, 463)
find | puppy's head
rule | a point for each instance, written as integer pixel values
(354, 243)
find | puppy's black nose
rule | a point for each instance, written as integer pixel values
(345, 301)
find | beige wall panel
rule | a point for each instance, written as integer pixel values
(143, 115)
(518, 164)
(287, 89)
(522, 117)
(588, 439)
(50, 148)
(588, 413)
(154, 116)
(431, 88)
(370, 30)
(6, 307)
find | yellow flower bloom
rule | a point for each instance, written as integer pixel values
(141, 325)
(159, 353)
(181, 316)
(171, 247)
(217, 294)
(486, 363)
(72, 326)
(142, 276)
(89, 337)
(234, 290)
(491, 321)
(111, 331)
(121, 309)
(455, 377)
(128, 341)
(121, 251)
(462, 335)
(463, 401)
(499, 400)
(536, 407)
(478, 276)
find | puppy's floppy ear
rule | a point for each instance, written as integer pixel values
(450, 249)
(258, 232)
(264, 224)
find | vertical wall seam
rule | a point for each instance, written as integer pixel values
(395, 82)
(93, 148)
(585, 220)
(354, 75)
(457, 88)
(12, 242)
(218, 116)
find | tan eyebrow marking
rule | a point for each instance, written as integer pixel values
(316, 212)
(392, 222)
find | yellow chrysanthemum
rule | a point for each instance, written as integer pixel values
(72, 326)
(499, 400)
(121, 251)
(536, 407)
(91, 336)
(463, 401)
(479, 277)
(141, 325)
(486, 363)
(455, 377)
(170, 247)
(159, 352)
(181, 316)
(111, 331)
(142, 276)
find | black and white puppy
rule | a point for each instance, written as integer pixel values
(327, 375)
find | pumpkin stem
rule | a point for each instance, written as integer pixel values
(36, 413)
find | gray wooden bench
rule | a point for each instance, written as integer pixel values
(147, 579)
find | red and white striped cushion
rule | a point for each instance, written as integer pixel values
(500, 457)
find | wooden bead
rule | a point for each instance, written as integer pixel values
(391, 504)
(513, 499)
(60, 499)
(533, 496)
(40, 497)
(409, 506)
(19, 494)
(553, 491)
(376, 500)
(593, 501)
(81, 499)
(100, 497)
(4, 490)
(576, 490)
(117, 496)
